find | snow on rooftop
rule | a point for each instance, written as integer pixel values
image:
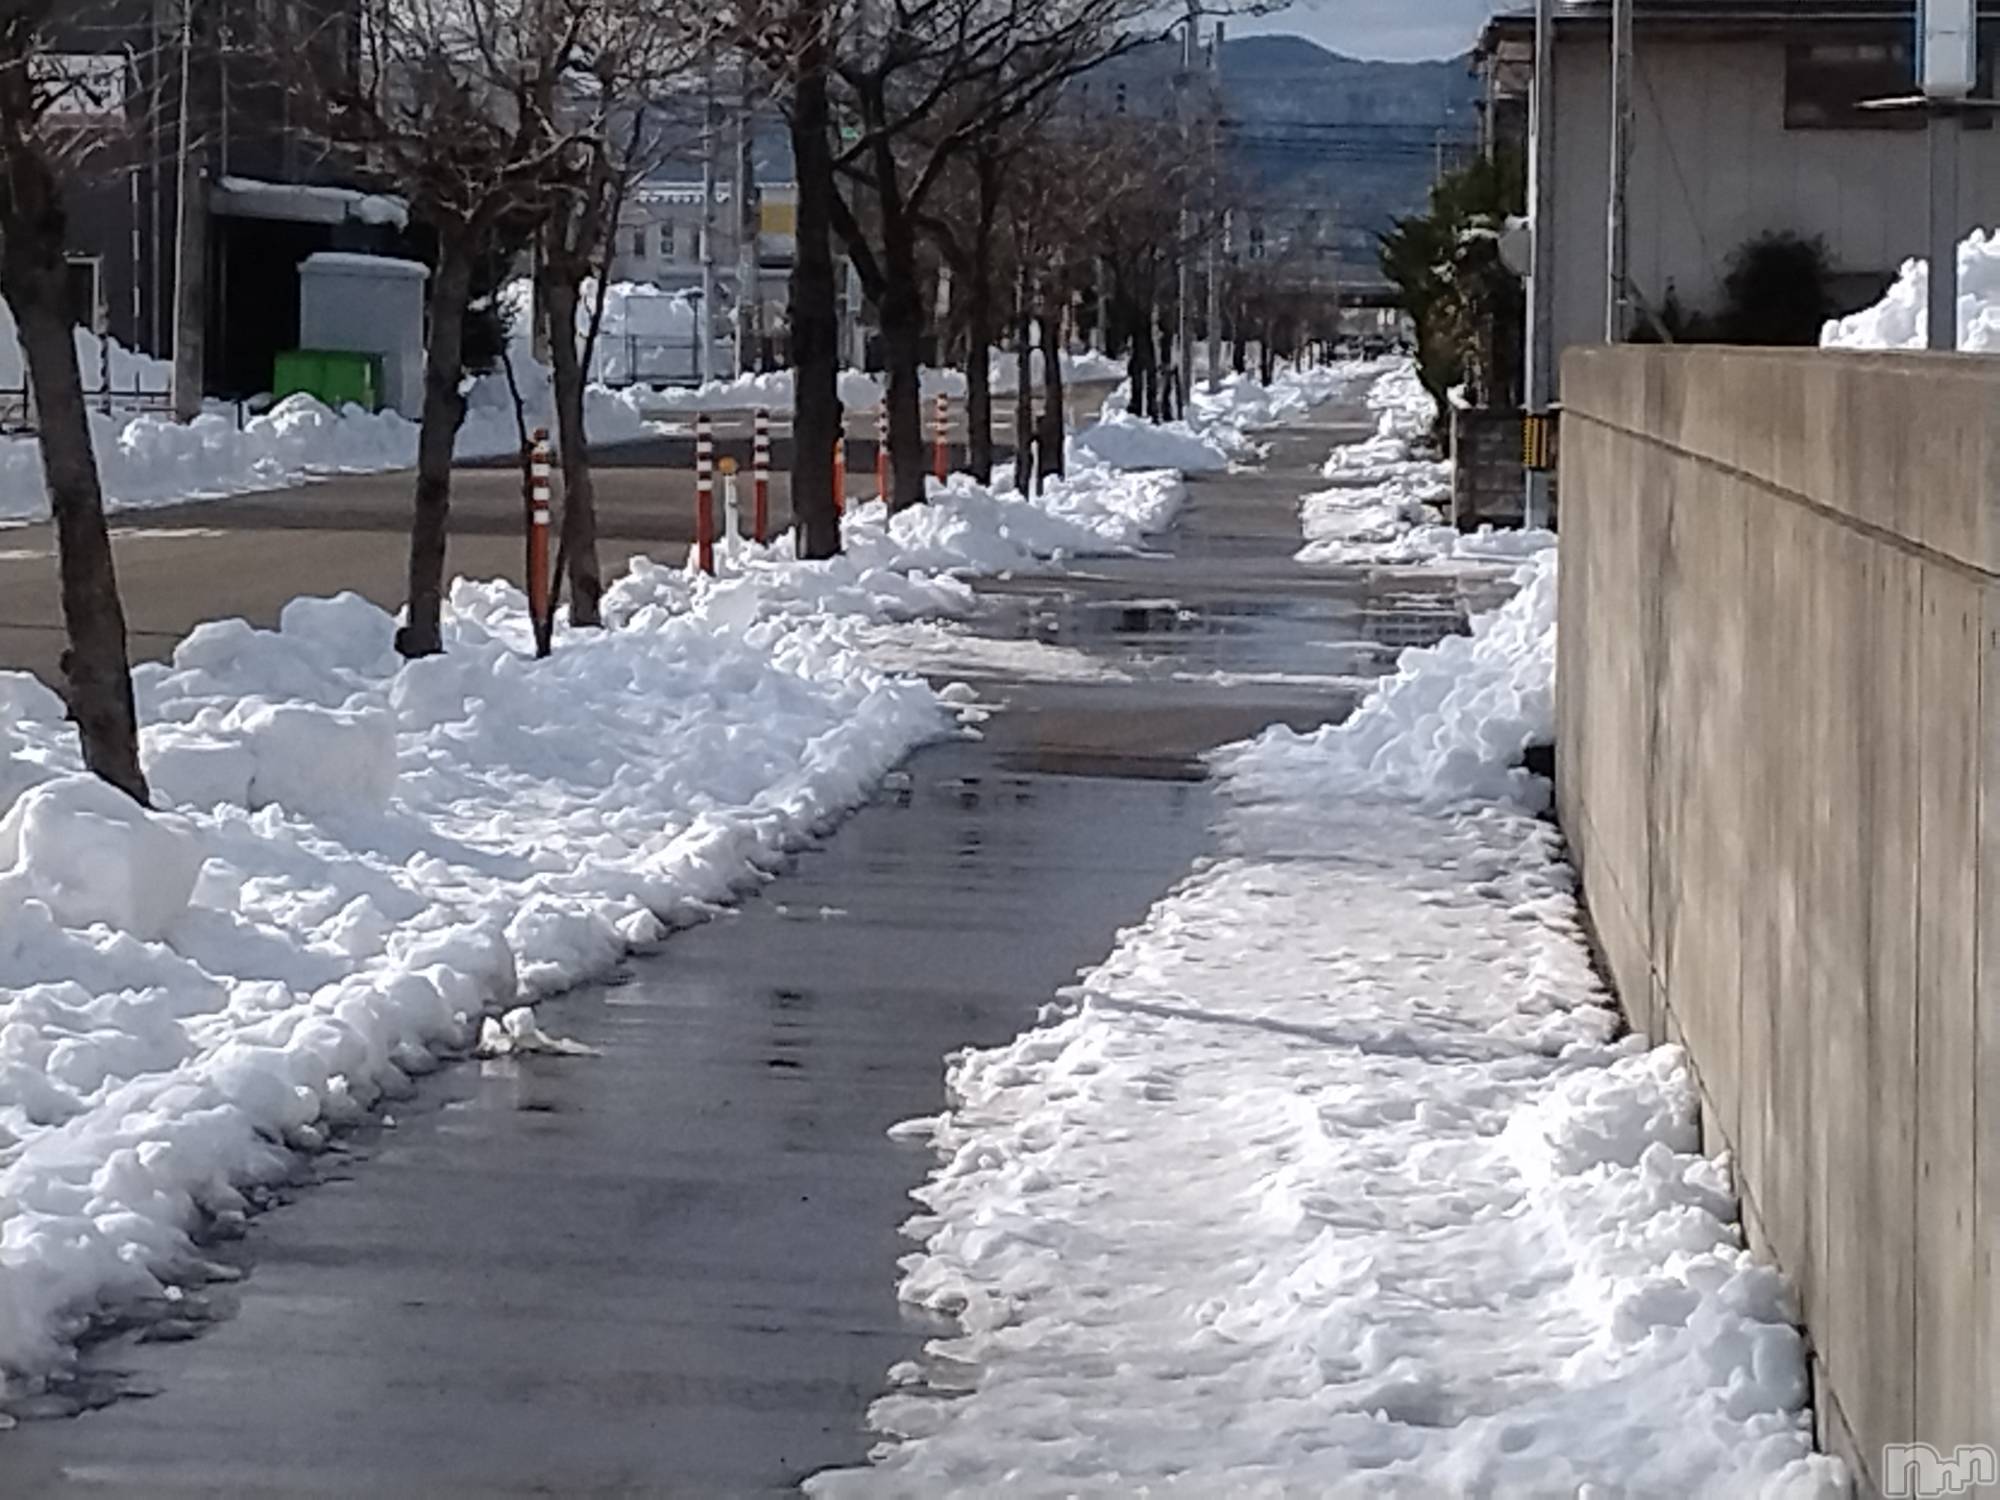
(316, 202)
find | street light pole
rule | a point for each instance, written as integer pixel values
(749, 266)
(190, 245)
(1214, 236)
(1948, 71)
(711, 130)
(1617, 270)
(1942, 127)
(1540, 374)
(1184, 270)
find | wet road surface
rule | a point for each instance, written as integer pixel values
(670, 1269)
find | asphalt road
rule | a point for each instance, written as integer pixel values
(248, 555)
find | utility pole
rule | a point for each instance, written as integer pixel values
(749, 222)
(1617, 272)
(1947, 72)
(1540, 379)
(1214, 260)
(190, 245)
(1183, 268)
(1942, 127)
(1333, 244)
(711, 132)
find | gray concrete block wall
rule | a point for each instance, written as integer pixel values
(1778, 701)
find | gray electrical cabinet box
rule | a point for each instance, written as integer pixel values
(368, 304)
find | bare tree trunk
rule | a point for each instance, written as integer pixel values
(560, 296)
(1268, 364)
(1024, 389)
(902, 314)
(444, 410)
(815, 321)
(1164, 388)
(979, 381)
(979, 327)
(97, 677)
(1138, 358)
(1049, 441)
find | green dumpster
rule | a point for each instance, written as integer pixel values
(338, 377)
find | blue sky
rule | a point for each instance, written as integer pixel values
(1401, 29)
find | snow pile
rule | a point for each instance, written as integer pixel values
(356, 861)
(1243, 402)
(861, 391)
(1385, 507)
(1396, 522)
(973, 530)
(1450, 724)
(1218, 426)
(148, 459)
(858, 391)
(130, 370)
(1127, 442)
(1404, 412)
(1899, 320)
(1091, 367)
(1336, 1178)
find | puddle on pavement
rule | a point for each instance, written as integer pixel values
(1326, 634)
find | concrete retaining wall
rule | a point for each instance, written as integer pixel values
(1779, 766)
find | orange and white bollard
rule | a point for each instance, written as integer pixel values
(840, 472)
(760, 477)
(941, 439)
(538, 533)
(704, 495)
(882, 454)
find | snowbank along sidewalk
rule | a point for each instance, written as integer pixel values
(1386, 503)
(1338, 1176)
(1218, 429)
(357, 865)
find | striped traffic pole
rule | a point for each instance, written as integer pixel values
(538, 538)
(704, 495)
(840, 471)
(760, 477)
(941, 452)
(882, 453)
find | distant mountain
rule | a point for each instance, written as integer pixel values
(1310, 132)
(1313, 132)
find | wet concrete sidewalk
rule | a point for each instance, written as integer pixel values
(670, 1269)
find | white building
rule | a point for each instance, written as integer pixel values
(1746, 121)
(659, 242)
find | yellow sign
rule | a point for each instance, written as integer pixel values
(1538, 441)
(727, 466)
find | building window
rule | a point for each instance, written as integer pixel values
(639, 243)
(667, 240)
(1827, 83)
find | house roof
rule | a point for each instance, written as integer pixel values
(1761, 16)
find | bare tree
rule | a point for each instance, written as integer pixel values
(924, 82)
(446, 105)
(52, 120)
(792, 41)
(626, 51)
